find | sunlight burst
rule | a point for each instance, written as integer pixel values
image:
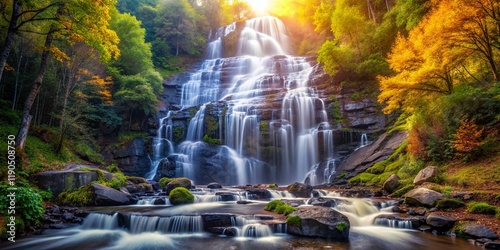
(259, 6)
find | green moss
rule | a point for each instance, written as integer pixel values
(211, 140)
(180, 196)
(481, 208)
(178, 134)
(273, 186)
(377, 168)
(362, 178)
(164, 181)
(113, 168)
(449, 204)
(497, 214)
(342, 226)
(279, 207)
(402, 191)
(82, 196)
(294, 220)
(136, 180)
(264, 126)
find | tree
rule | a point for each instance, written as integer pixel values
(135, 52)
(77, 21)
(425, 63)
(176, 23)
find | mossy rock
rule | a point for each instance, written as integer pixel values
(449, 204)
(178, 182)
(181, 195)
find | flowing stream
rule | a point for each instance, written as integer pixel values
(242, 226)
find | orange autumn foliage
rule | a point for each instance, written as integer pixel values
(468, 138)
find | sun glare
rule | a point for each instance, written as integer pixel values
(259, 6)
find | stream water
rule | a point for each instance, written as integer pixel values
(145, 227)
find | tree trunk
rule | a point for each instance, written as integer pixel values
(28, 104)
(9, 38)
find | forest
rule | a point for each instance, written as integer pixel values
(79, 76)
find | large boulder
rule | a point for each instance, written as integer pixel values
(300, 189)
(106, 196)
(178, 182)
(365, 157)
(315, 221)
(439, 222)
(426, 175)
(214, 185)
(423, 197)
(477, 231)
(132, 157)
(258, 194)
(58, 181)
(391, 184)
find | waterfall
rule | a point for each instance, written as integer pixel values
(173, 224)
(162, 144)
(263, 90)
(100, 221)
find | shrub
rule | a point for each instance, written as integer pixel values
(448, 204)
(481, 208)
(28, 203)
(294, 220)
(181, 195)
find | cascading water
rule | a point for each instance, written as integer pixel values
(269, 125)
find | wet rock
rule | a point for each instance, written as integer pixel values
(216, 220)
(439, 222)
(365, 157)
(492, 245)
(106, 196)
(423, 197)
(68, 216)
(476, 231)
(214, 185)
(178, 182)
(300, 190)
(391, 184)
(426, 175)
(320, 222)
(324, 202)
(159, 201)
(417, 211)
(132, 157)
(258, 194)
(227, 196)
(58, 181)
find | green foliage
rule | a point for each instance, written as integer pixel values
(87, 152)
(280, 207)
(135, 54)
(449, 204)
(481, 208)
(178, 134)
(273, 186)
(28, 203)
(180, 195)
(211, 140)
(294, 220)
(264, 126)
(113, 168)
(164, 181)
(82, 196)
(335, 111)
(342, 226)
